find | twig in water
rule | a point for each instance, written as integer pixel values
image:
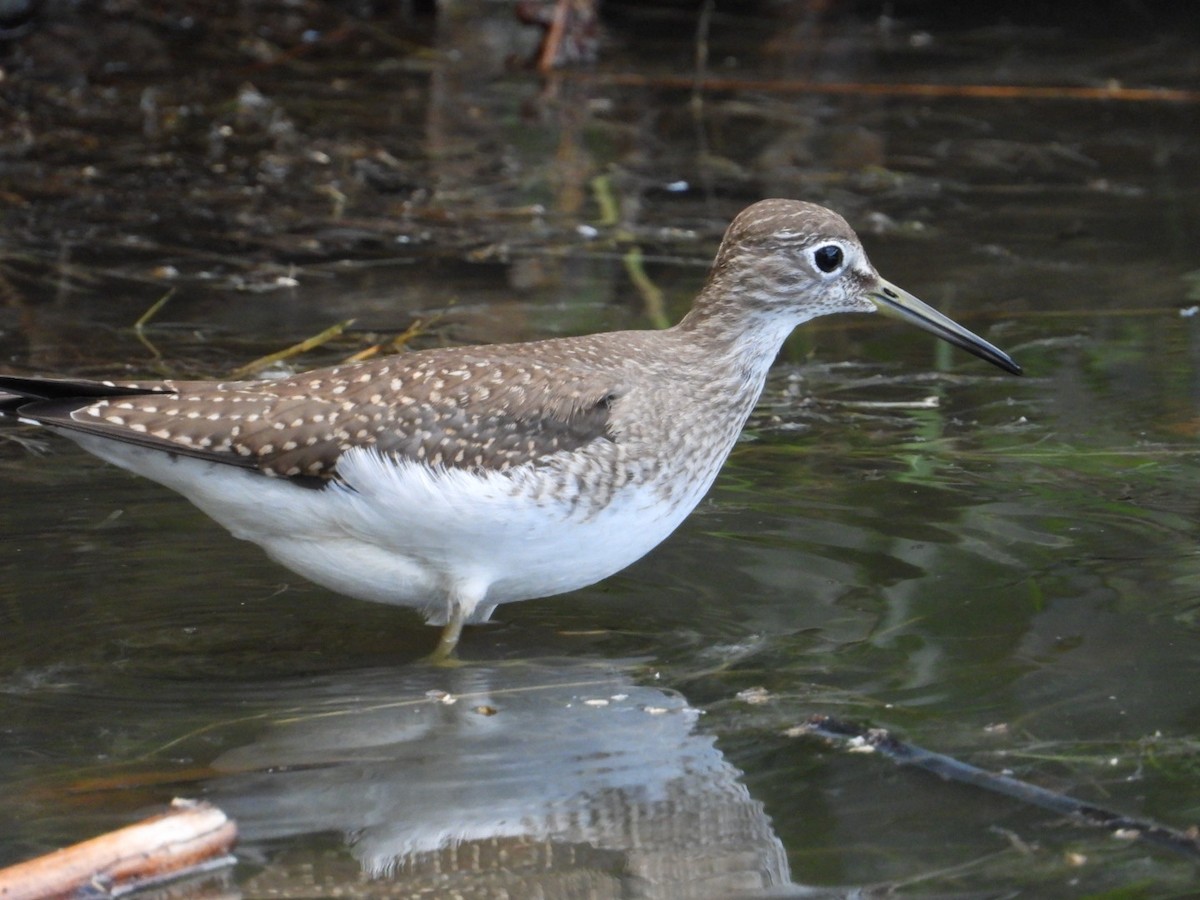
(295, 350)
(417, 328)
(631, 259)
(139, 327)
(881, 740)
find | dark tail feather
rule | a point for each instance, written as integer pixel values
(16, 391)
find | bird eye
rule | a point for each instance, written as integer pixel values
(828, 257)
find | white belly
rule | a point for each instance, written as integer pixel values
(400, 533)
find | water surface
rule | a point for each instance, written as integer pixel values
(999, 569)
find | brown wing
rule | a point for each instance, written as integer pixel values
(54, 402)
(486, 409)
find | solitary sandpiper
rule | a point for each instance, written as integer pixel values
(453, 480)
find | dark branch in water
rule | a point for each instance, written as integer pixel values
(947, 767)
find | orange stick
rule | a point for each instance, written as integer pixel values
(986, 91)
(163, 846)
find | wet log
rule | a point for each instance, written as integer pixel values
(190, 837)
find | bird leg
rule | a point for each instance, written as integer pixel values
(464, 599)
(443, 654)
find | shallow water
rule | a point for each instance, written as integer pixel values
(999, 569)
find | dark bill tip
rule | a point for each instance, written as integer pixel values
(900, 304)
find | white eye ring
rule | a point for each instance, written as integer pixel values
(828, 259)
